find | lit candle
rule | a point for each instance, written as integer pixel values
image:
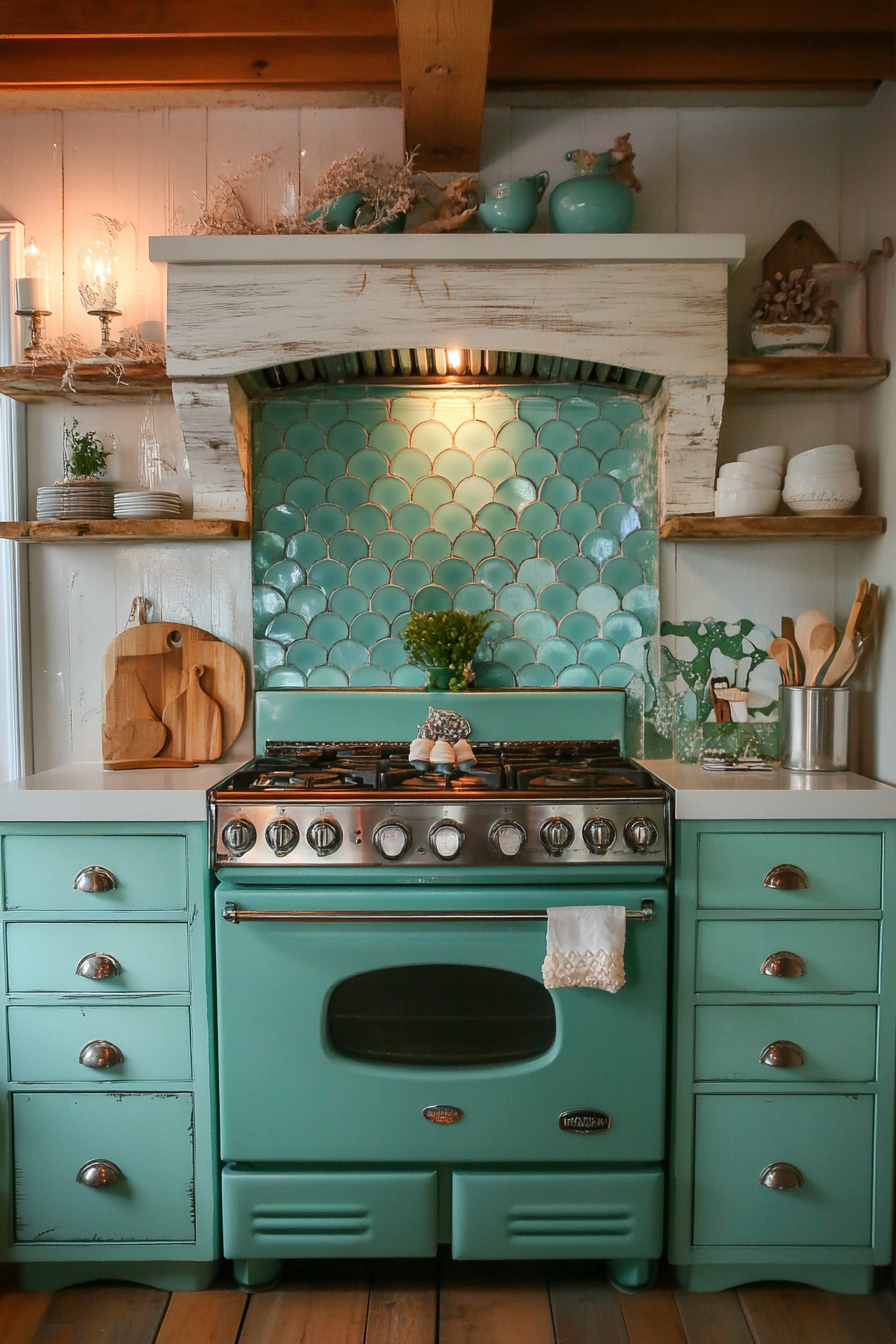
(33, 289)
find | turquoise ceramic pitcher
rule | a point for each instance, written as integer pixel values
(510, 207)
(593, 201)
(339, 213)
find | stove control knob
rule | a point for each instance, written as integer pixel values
(238, 837)
(556, 835)
(446, 839)
(599, 834)
(392, 839)
(324, 836)
(282, 836)
(508, 837)
(640, 834)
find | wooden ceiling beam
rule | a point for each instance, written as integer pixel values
(197, 18)
(443, 50)
(613, 60)
(702, 18)
(218, 62)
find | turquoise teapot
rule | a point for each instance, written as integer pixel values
(593, 201)
(340, 213)
(510, 207)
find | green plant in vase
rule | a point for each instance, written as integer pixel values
(443, 644)
(83, 455)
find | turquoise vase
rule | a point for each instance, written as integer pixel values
(593, 201)
(339, 213)
(510, 207)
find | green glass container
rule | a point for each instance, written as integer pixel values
(593, 201)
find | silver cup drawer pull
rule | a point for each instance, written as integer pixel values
(98, 966)
(94, 879)
(100, 1055)
(783, 965)
(783, 1055)
(99, 1173)
(782, 1176)
(786, 877)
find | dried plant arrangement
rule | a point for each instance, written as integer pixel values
(620, 161)
(794, 298)
(457, 207)
(71, 351)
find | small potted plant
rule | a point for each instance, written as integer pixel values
(443, 644)
(792, 316)
(82, 493)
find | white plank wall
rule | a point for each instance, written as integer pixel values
(704, 170)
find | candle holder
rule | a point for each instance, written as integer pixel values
(35, 346)
(105, 316)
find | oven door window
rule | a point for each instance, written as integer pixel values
(443, 1016)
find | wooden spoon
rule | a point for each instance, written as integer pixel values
(805, 623)
(822, 642)
(784, 655)
(842, 660)
(789, 632)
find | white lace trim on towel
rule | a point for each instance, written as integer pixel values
(591, 970)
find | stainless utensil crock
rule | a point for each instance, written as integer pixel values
(814, 727)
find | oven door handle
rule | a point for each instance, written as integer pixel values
(234, 915)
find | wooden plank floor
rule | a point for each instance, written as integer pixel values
(377, 1302)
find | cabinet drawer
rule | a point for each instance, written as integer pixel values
(844, 870)
(39, 870)
(45, 1043)
(149, 1137)
(334, 1213)
(551, 1215)
(839, 1043)
(840, 955)
(830, 1140)
(153, 957)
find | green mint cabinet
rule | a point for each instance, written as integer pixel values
(783, 1058)
(109, 1127)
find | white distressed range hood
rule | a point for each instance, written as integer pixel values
(653, 302)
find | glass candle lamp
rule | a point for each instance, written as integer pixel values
(98, 283)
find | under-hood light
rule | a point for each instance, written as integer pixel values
(456, 360)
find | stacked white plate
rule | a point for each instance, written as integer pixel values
(148, 504)
(87, 499)
(822, 480)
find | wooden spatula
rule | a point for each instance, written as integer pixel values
(822, 642)
(843, 658)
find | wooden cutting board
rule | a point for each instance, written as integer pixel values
(157, 705)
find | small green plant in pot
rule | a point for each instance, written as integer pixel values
(83, 455)
(443, 643)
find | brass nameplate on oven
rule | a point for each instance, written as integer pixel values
(443, 1115)
(585, 1121)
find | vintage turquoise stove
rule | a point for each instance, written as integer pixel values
(393, 1073)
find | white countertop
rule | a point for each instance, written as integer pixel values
(781, 795)
(84, 791)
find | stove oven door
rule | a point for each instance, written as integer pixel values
(403, 1042)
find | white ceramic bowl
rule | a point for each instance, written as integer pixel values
(801, 482)
(746, 501)
(750, 473)
(831, 456)
(773, 456)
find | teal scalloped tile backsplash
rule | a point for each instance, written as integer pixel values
(534, 503)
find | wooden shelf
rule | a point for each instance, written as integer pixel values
(706, 527)
(121, 529)
(805, 373)
(40, 382)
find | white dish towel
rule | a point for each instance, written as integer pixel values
(585, 947)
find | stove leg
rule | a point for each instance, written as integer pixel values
(255, 1275)
(632, 1276)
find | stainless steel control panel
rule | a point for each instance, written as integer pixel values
(482, 832)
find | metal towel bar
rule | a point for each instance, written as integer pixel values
(234, 915)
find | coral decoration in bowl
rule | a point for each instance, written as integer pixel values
(600, 198)
(443, 644)
(792, 316)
